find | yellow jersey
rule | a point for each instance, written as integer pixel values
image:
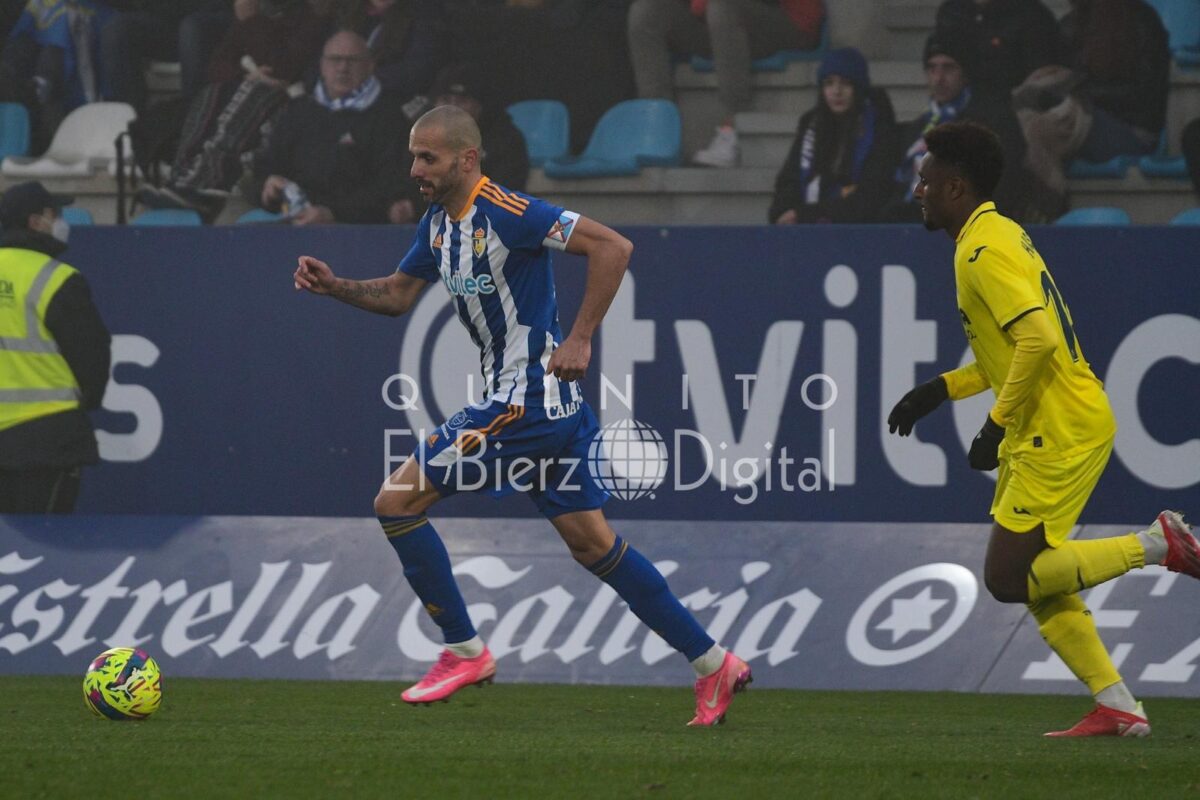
(999, 278)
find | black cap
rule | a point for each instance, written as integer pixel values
(942, 44)
(461, 79)
(23, 199)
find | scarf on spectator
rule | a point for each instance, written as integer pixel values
(360, 99)
(814, 192)
(936, 115)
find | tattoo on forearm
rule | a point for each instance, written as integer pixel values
(352, 290)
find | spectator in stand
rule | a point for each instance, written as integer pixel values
(49, 63)
(949, 67)
(1111, 101)
(342, 149)
(505, 159)
(251, 76)
(56, 350)
(732, 33)
(407, 39)
(1011, 38)
(840, 165)
(144, 30)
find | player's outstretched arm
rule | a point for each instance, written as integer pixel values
(392, 295)
(608, 254)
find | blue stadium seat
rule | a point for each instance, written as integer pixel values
(167, 216)
(1113, 168)
(1181, 18)
(76, 216)
(1099, 215)
(1163, 166)
(631, 135)
(776, 62)
(259, 215)
(546, 126)
(1189, 217)
(14, 130)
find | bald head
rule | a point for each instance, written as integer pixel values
(458, 130)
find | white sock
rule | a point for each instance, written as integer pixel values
(1155, 545)
(471, 648)
(1117, 696)
(710, 662)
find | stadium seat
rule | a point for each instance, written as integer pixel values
(76, 216)
(546, 126)
(1181, 18)
(84, 142)
(776, 62)
(14, 130)
(631, 135)
(1099, 215)
(1113, 168)
(1157, 166)
(1188, 217)
(167, 216)
(258, 215)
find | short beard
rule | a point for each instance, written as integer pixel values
(452, 180)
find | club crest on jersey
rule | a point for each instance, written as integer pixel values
(437, 242)
(457, 421)
(561, 230)
(479, 241)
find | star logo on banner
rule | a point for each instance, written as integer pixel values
(912, 614)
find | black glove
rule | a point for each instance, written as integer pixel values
(986, 445)
(916, 404)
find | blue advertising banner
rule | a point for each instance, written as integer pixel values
(752, 367)
(809, 605)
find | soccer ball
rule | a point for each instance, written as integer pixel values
(122, 684)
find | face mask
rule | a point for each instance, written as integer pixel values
(61, 230)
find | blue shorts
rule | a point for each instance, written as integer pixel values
(501, 449)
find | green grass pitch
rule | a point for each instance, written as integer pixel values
(267, 739)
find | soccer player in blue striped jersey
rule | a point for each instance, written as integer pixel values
(490, 249)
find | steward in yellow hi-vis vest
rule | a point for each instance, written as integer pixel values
(54, 358)
(1049, 432)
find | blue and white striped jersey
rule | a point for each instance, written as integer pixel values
(495, 262)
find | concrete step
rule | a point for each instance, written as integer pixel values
(791, 92)
(741, 196)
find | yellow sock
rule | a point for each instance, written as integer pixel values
(1067, 626)
(1077, 565)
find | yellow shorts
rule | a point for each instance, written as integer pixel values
(1050, 492)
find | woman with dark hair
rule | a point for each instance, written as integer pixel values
(840, 162)
(1119, 51)
(406, 38)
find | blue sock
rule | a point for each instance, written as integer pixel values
(642, 586)
(427, 568)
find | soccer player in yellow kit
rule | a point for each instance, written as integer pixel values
(1050, 431)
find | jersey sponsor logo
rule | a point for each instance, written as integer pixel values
(975, 257)
(560, 231)
(7, 293)
(479, 241)
(562, 412)
(469, 286)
